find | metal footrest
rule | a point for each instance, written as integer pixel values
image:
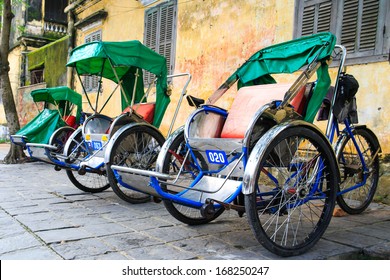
(139, 179)
(19, 140)
(212, 188)
(40, 151)
(207, 187)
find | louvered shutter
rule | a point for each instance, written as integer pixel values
(360, 25)
(160, 28)
(91, 83)
(324, 16)
(308, 20)
(369, 25)
(166, 35)
(316, 17)
(150, 38)
(350, 22)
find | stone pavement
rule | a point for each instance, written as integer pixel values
(43, 216)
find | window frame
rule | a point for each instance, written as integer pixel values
(382, 43)
(37, 76)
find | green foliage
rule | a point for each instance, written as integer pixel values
(54, 57)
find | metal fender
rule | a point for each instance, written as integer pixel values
(249, 180)
(71, 137)
(165, 148)
(116, 135)
(59, 129)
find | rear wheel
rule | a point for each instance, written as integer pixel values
(137, 147)
(172, 164)
(77, 152)
(295, 184)
(353, 173)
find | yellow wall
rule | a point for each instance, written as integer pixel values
(14, 59)
(214, 37)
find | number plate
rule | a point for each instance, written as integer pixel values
(216, 157)
(96, 145)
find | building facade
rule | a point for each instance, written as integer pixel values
(37, 23)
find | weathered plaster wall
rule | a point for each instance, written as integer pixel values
(27, 109)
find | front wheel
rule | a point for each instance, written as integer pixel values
(295, 183)
(358, 181)
(136, 147)
(77, 152)
(59, 138)
(173, 162)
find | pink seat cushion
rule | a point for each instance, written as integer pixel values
(146, 110)
(247, 102)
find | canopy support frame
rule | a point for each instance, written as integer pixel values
(85, 92)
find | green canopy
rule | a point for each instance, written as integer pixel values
(118, 61)
(40, 129)
(287, 57)
(57, 94)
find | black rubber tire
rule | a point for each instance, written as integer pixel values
(184, 214)
(89, 182)
(285, 217)
(125, 153)
(357, 200)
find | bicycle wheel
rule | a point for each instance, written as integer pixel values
(172, 164)
(295, 181)
(353, 174)
(136, 147)
(59, 138)
(88, 182)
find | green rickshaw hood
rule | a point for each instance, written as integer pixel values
(116, 61)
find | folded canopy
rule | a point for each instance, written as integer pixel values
(287, 57)
(55, 95)
(118, 61)
(40, 129)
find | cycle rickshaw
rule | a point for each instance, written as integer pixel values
(264, 157)
(58, 117)
(123, 64)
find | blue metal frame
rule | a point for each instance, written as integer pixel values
(348, 130)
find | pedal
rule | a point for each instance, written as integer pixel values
(82, 171)
(207, 211)
(227, 206)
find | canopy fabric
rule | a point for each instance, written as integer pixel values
(55, 95)
(40, 129)
(287, 57)
(118, 61)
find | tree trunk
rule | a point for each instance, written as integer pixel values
(15, 153)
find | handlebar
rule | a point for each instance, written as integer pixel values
(341, 66)
(183, 93)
